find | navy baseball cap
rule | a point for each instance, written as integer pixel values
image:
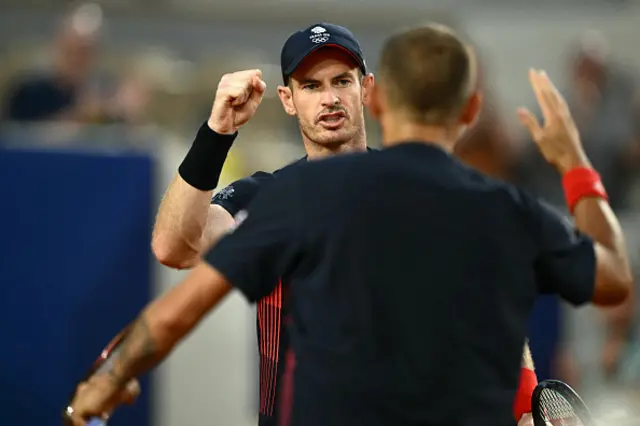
(301, 44)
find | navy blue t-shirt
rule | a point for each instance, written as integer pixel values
(411, 278)
(272, 310)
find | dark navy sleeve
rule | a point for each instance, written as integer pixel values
(565, 264)
(265, 246)
(238, 195)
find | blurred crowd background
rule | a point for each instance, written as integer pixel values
(99, 103)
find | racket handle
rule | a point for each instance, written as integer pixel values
(96, 421)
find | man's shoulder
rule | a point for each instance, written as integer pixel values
(237, 195)
(291, 166)
(255, 180)
(333, 165)
(305, 164)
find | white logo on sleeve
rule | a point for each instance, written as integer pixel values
(225, 193)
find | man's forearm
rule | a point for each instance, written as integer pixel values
(594, 217)
(180, 224)
(166, 321)
(138, 353)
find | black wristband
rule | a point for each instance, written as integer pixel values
(202, 166)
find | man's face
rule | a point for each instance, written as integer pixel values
(327, 93)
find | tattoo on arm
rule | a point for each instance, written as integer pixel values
(137, 353)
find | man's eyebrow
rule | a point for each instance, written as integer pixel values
(343, 75)
(308, 81)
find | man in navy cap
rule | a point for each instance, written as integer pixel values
(325, 85)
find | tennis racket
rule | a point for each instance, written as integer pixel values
(554, 403)
(102, 364)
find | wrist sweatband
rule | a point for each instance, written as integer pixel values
(522, 402)
(202, 166)
(580, 183)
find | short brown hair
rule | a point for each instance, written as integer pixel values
(428, 72)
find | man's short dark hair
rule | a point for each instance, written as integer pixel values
(429, 73)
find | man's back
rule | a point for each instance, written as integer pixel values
(391, 315)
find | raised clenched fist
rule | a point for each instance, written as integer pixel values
(236, 101)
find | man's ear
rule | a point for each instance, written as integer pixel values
(286, 97)
(375, 102)
(368, 82)
(471, 111)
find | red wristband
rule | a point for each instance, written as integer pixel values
(582, 182)
(522, 403)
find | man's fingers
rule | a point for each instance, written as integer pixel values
(78, 421)
(537, 85)
(257, 73)
(238, 95)
(526, 420)
(74, 418)
(549, 99)
(246, 75)
(529, 121)
(237, 88)
(257, 93)
(555, 93)
(550, 94)
(259, 86)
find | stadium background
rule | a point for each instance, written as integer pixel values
(78, 198)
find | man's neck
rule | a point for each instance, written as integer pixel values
(317, 151)
(395, 132)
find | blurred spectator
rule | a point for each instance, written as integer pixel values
(602, 97)
(59, 93)
(67, 92)
(487, 145)
(130, 99)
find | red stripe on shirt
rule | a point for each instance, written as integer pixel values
(269, 323)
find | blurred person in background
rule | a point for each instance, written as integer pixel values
(601, 95)
(487, 146)
(70, 91)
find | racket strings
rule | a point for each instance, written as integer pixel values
(557, 409)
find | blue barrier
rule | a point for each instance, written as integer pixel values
(75, 267)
